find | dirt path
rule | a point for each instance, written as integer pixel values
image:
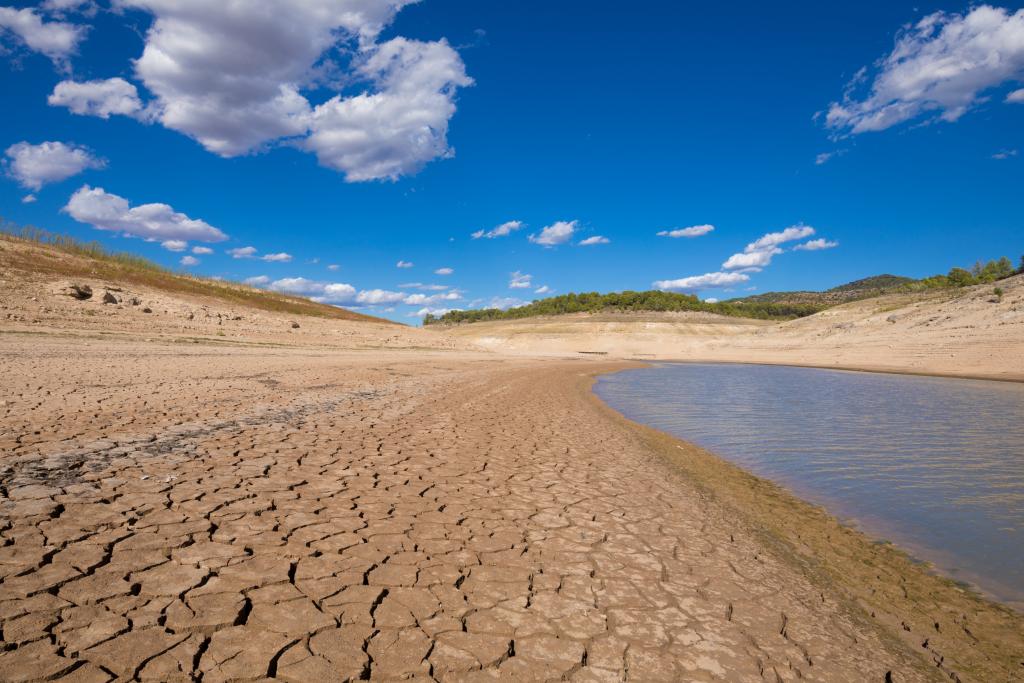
(240, 514)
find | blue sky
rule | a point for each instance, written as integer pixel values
(361, 134)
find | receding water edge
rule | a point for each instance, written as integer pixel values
(934, 465)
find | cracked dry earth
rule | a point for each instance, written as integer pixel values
(238, 514)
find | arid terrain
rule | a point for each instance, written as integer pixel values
(193, 488)
(967, 332)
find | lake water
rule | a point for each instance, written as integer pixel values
(935, 465)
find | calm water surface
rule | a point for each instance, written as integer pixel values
(935, 465)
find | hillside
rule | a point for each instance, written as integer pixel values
(52, 285)
(969, 331)
(865, 288)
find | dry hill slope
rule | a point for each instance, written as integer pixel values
(963, 332)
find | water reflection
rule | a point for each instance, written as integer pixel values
(935, 464)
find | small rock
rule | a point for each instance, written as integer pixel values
(135, 301)
(891, 319)
(76, 291)
(190, 315)
(295, 326)
(109, 298)
(147, 309)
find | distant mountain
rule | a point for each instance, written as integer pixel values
(864, 288)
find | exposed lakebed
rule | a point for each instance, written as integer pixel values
(935, 465)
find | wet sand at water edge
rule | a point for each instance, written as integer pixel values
(232, 512)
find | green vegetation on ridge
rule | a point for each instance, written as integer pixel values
(768, 306)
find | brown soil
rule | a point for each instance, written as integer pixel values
(349, 500)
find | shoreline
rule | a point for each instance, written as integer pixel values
(834, 555)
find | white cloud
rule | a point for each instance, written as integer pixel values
(543, 289)
(174, 245)
(596, 239)
(62, 7)
(772, 239)
(432, 311)
(444, 271)
(423, 299)
(324, 292)
(379, 296)
(942, 65)
(506, 302)
(502, 230)
(28, 199)
(396, 130)
(57, 40)
(48, 162)
(758, 254)
(333, 266)
(148, 221)
(711, 300)
(692, 231)
(1005, 154)
(234, 77)
(696, 282)
(817, 245)
(98, 98)
(257, 281)
(556, 233)
(823, 158)
(519, 280)
(1017, 96)
(202, 250)
(404, 264)
(425, 287)
(189, 261)
(277, 258)
(242, 252)
(754, 259)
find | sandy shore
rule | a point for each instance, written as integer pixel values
(174, 510)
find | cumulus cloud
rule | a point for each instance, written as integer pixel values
(1017, 96)
(432, 311)
(235, 77)
(404, 264)
(257, 281)
(817, 245)
(1001, 154)
(403, 124)
(940, 66)
(323, 292)
(444, 271)
(202, 250)
(423, 299)
(502, 230)
(28, 199)
(156, 222)
(379, 296)
(98, 98)
(596, 239)
(705, 281)
(277, 258)
(174, 245)
(189, 261)
(519, 280)
(556, 233)
(48, 162)
(543, 289)
(506, 302)
(711, 300)
(692, 231)
(425, 287)
(57, 40)
(242, 252)
(758, 254)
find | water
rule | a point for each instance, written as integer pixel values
(936, 465)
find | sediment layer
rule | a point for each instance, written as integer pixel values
(171, 512)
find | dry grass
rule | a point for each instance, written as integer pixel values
(33, 250)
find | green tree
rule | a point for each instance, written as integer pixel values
(958, 277)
